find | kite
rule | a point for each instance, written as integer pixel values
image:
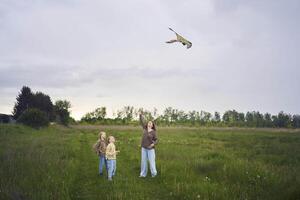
(180, 39)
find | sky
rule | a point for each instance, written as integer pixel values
(95, 53)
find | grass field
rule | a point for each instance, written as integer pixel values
(58, 163)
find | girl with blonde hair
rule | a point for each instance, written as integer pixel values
(111, 156)
(100, 148)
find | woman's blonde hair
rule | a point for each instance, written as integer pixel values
(101, 134)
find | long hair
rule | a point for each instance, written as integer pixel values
(153, 125)
(101, 134)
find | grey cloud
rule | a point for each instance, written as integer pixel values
(73, 76)
(47, 76)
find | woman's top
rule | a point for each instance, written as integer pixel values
(111, 151)
(148, 137)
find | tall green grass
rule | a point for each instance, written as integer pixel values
(58, 163)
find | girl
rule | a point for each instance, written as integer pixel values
(100, 148)
(149, 140)
(111, 157)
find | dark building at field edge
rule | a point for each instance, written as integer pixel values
(7, 119)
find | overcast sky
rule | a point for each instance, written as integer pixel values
(245, 54)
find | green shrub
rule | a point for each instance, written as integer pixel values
(34, 117)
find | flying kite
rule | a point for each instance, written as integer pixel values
(180, 39)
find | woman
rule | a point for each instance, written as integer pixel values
(149, 140)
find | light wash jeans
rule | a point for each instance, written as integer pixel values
(102, 161)
(148, 154)
(111, 168)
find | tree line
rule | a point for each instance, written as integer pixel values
(172, 116)
(36, 109)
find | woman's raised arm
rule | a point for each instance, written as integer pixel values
(142, 121)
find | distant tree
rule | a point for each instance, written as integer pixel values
(43, 102)
(258, 119)
(234, 118)
(198, 117)
(249, 119)
(174, 115)
(204, 117)
(120, 114)
(128, 113)
(192, 117)
(217, 117)
(167, 115)
(182, 117)
(89, 117)
(97, 115)
(100, 113)
(282, 120)
(148, 115)
(27, 99)
(275, 120)
(136, 113)
(171, 115)
(225, 117)
(62, 111)
(230, 117)
(33, 117)
(268, 120)
(241, 118)
(296, 121)
(154, 113)
(24, 101)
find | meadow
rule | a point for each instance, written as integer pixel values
(193, 163)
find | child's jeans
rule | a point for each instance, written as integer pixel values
(148, 154)
(102, 161)
(111, 168)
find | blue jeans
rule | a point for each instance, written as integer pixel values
(111, 168)
(102, 161)
(148, 155)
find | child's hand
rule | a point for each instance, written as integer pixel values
(117, 151)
